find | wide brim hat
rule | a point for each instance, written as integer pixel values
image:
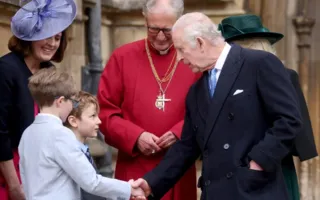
(41, 19)
(246, 26)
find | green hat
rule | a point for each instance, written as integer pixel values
(246, 26)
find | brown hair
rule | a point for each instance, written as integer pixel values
(48, 84)
(24, 47)
(85, 99)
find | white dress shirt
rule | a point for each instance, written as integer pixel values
(221, 60)
(53, 167)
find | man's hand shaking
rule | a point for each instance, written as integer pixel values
(136, 192)
(140, 189)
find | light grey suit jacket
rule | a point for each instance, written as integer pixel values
(52, 166)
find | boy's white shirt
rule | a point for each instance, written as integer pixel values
(52, 165)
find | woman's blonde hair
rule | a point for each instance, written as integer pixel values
(256, 43)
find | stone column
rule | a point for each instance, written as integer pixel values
(304, 25)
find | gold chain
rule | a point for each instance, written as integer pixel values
(166, 78)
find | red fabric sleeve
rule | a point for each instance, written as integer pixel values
(177, 129)
(119, 132)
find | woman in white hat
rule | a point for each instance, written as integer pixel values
(39, 37)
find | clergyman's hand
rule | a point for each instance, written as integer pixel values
(147, 143)
(143, 185)
(166, 140)
(136, 192)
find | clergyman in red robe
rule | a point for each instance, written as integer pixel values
(142, 99)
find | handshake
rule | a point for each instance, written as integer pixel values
(140, 189)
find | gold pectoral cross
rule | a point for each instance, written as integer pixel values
(161, 101)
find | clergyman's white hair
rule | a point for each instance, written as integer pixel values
(197, 25)
(157, 6)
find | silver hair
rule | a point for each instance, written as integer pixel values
(175, 6)
(197, 25)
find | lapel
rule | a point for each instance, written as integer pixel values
(229, 73)
(203, 98)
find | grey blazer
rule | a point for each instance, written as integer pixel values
(52, 166)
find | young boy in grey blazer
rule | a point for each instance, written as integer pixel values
(84, 123)
(52, 164)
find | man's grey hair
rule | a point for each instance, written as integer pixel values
(152, 6)
(195, 25)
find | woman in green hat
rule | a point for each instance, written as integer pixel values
(248, 32)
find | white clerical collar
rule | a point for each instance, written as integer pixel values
(164, 52)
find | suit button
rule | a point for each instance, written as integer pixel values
(207, 183)
(195, 128)
(231, 116)
(229, 175)
(226, 146)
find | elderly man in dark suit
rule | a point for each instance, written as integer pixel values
(248, 31)
(241, 117)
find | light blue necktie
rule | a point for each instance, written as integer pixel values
(212, 81)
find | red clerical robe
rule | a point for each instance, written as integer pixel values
(127, 94)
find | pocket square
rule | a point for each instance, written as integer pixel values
(237, 92)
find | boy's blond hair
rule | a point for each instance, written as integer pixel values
(48, 84)
(85, 99)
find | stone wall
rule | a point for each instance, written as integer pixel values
(7, 10)
(125, 25)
